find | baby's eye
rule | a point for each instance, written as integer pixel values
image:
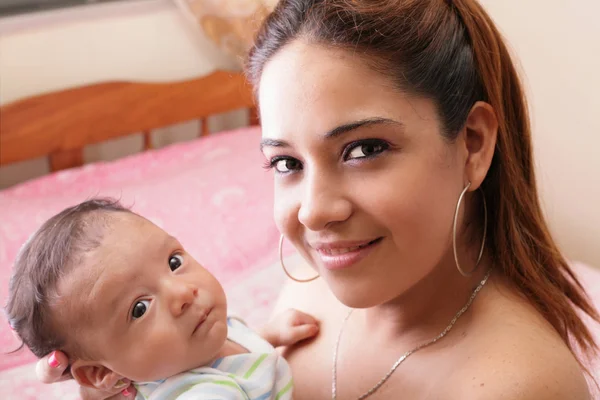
(140, 308)
(175, 261)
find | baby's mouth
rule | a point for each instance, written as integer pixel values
(202, 319)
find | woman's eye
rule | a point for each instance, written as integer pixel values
(286, 165)
(140, 308)
(365, 150)
(175, 261)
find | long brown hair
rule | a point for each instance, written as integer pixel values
(452, 53)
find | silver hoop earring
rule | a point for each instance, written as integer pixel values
(285, 270)
(485, 222)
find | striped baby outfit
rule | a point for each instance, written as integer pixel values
(261, 374)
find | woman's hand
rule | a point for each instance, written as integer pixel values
(289, 328)
(52, 369)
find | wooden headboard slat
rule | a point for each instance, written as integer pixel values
(64, 121)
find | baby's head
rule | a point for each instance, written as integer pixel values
(117, 294)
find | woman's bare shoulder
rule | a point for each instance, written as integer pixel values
(522, 373)
(516, 354)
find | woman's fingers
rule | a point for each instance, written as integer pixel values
(51, 368)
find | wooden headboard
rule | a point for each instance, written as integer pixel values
(59, 124)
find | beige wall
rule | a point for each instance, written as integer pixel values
(557, 41)
(131, 40)
(142, 40)
(558, 44)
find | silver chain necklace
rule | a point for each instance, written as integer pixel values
(405, 355)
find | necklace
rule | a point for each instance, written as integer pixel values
(408, 353)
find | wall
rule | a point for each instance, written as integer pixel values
(144, 40)
(558, 45)
(557, 42)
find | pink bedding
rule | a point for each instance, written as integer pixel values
(212, 194)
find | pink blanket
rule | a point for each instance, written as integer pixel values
(211, 193)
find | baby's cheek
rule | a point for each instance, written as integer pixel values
(143, 357)
(131, 362)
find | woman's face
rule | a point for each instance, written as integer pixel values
(365, 185)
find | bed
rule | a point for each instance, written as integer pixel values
(211, 192)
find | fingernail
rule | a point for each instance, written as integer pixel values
(53, 361)
(127, 392)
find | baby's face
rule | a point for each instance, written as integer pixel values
(144, 307)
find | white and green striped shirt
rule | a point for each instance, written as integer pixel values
(261, 374)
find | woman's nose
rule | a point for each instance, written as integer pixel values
(323, 202)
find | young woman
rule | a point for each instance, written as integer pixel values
(400, 141)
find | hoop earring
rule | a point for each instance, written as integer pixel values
(485, 222)
(285, 270)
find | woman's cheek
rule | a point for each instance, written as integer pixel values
(285, 210)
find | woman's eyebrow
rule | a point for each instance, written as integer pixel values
(266, 142)
(349, 127)
(338, 131)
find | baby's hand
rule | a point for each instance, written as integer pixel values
(289, 328)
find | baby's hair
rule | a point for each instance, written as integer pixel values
(48, 255)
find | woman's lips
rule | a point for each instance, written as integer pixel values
(340, 255)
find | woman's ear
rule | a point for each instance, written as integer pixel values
(481, 132)
(92, 374)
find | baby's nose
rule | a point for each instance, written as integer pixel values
(183, 296)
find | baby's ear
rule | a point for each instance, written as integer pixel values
(92, 374)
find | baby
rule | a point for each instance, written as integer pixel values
(125, 302)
